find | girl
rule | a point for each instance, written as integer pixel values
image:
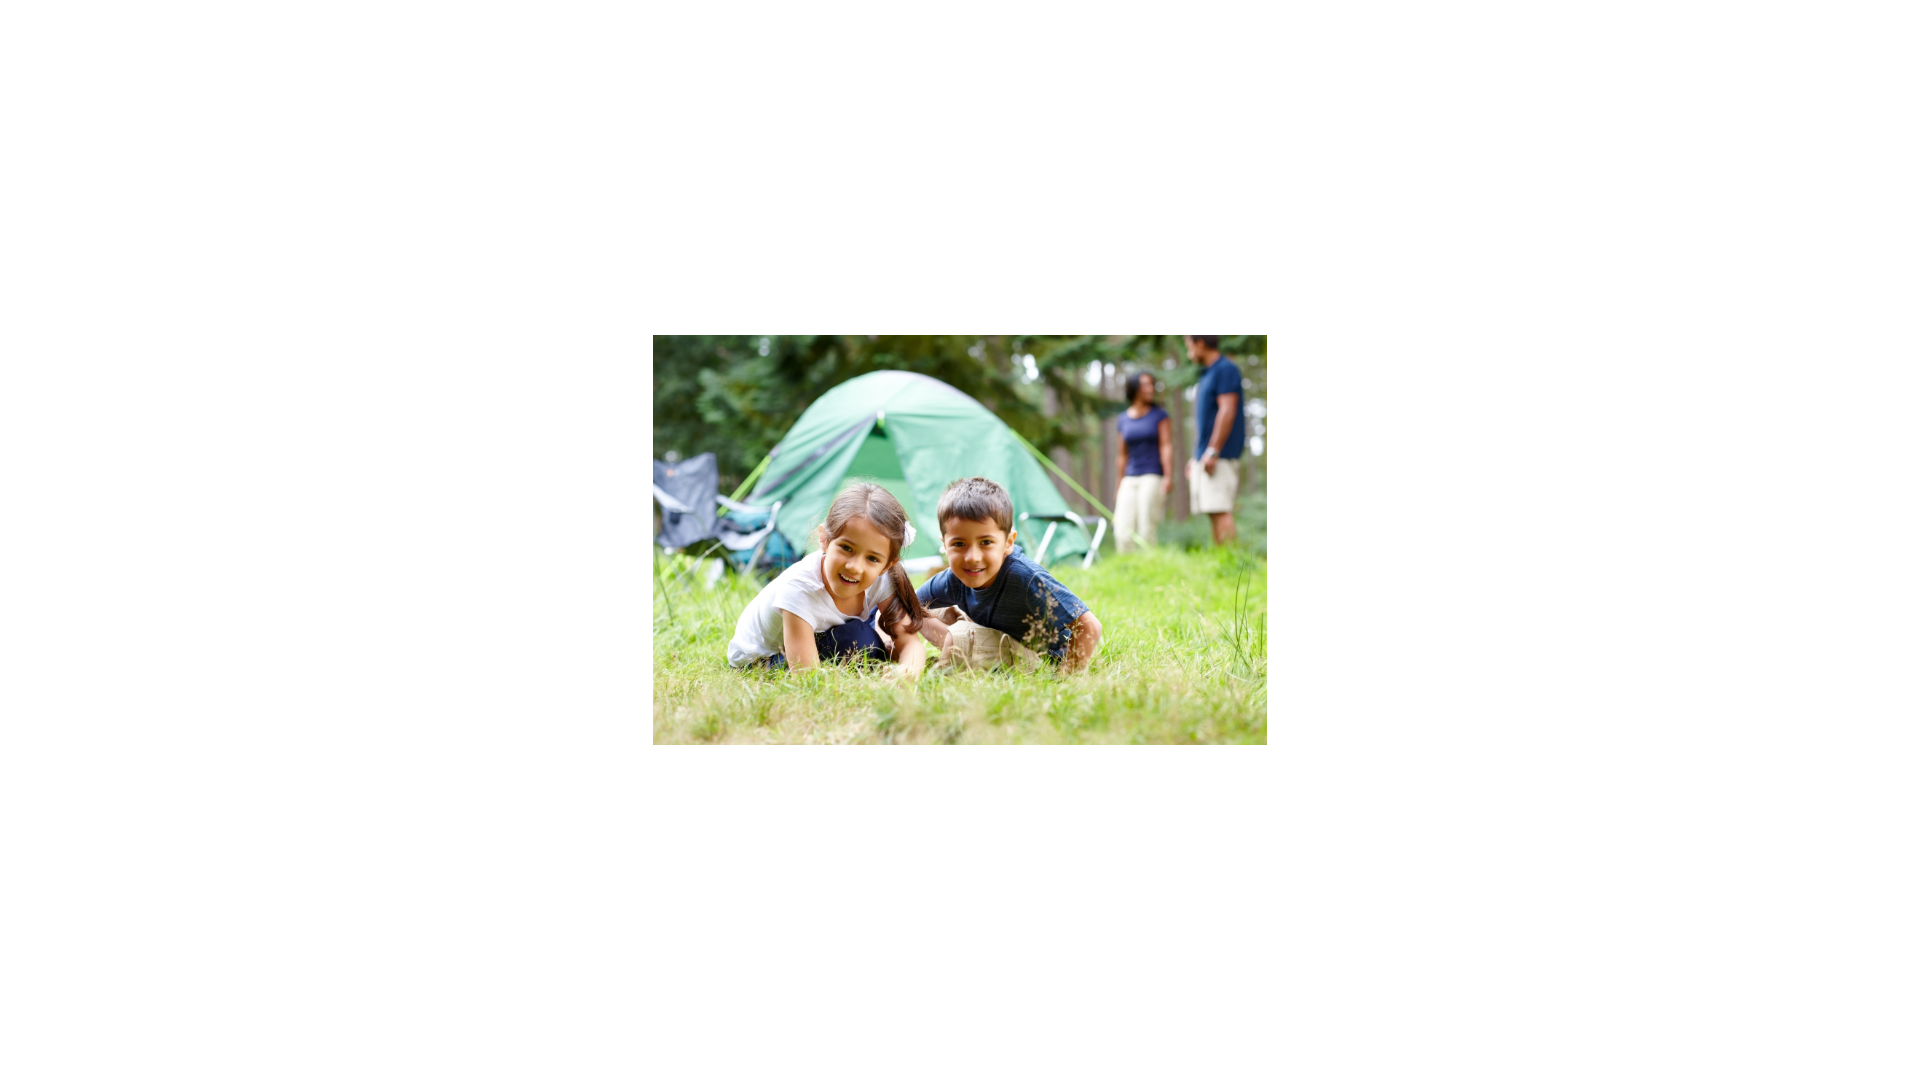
(1145, 466)
(850, 598)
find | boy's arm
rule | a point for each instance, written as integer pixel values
(798, 637)
(1082, 631)
(1085, 642)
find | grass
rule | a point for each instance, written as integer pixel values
(1183, 660)
(1196, 534)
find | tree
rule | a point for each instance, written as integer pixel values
(737, 395)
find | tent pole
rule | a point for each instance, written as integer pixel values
(747, 483)
(1031, 449)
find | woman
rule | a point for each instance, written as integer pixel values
(1145, 466)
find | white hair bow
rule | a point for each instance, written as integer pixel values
(908, 542)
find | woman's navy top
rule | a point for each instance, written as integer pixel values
(1142, 439)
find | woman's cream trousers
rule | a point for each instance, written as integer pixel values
(1137, 510)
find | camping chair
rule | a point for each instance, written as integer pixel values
(686, 491)
(749, 535)
(690, 502)
(1053, 523)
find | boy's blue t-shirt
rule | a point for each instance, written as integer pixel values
(1221, 377)
(1022, 601)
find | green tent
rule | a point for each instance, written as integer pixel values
(913, 435)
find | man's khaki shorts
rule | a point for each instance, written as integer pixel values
(1213, 494)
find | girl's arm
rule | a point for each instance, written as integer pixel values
(908, 650)
(1166, 455)
(1120, 470)
(798, 637)
(936, 632)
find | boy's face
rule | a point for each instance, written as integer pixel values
(976, 550)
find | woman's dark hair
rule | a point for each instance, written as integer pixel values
(877, 506)
(1133, 384)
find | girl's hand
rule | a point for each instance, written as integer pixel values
(909, 652)
(1166, 485)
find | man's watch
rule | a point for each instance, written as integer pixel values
(1209, 452)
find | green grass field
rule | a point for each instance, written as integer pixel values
(1184, 660)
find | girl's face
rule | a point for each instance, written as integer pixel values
(1146, 392)
(854, 560)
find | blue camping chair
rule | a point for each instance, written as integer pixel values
(750, 538)
(690, 515)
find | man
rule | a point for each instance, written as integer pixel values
(1213, 476)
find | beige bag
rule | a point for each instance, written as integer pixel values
(972, 647)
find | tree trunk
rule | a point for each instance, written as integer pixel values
(1176, 406)
(1088, 470)
(1065, 461)
(1109, 447)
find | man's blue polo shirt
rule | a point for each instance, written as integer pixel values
(1221, 377)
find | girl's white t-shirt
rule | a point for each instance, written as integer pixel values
(798, 589)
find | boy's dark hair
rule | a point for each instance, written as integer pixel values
(975, 498)
(1211, 341)
(1132, 388)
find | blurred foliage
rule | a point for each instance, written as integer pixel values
(1195, 533)
(736, 395)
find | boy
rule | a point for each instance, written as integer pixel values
(998, 587)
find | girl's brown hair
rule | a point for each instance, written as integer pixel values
(880, 509)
